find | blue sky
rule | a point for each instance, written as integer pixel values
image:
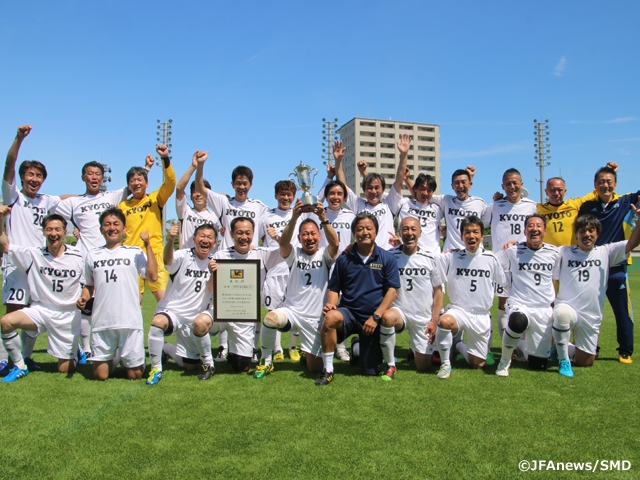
(250, 82)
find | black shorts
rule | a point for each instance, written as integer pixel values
(370, 352)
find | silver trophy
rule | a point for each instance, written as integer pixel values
(304, 176)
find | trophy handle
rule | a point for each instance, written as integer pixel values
(294, 178)
(314, 172)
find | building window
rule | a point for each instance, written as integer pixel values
(387, 155)
(367, 124)
(386, 125)
(426, 129)
(386, 145)
(405, 127)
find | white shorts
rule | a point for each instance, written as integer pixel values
(539, 332)
(585, 333)
(477, 326)
(418, 339)
(273, 291)
(183, 330)
(62, 326)
(15, 288)
(240, 335)
(309, 330)
(104, 344)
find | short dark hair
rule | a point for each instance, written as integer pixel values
(27, 164)
(205, 226)
(115, 212)
(556, 178)
(207, 185)
(459, 172)
(511, 171)
(305, 221)
(606, 170)
(95, 164)
(536, 215)
(53, 217)
(471, 220)
(332, 184)
(428, 179)
(241, 170)
(363, 216)
(242, 219)
(286, 185)
(587, 220)
(371, 177)
(137, 171)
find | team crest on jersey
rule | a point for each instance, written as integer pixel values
(375, 266)
(237, 274)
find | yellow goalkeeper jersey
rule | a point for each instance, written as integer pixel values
(560, 220)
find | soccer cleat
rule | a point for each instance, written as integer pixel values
(4, 368)
(155, 376)
(519, 356)
(342, 354)
(262, 369)
(565, 368)
(207, 371)
(222, 354)
(490, 360)
(15, 374)
(624, 358)
(445, 371)
(553, 353)
(503, 367)
(31, 365)
(82, 357)
(278, 357)
(411, 356)
(435, 358)
(294, 354)
(256, 356)
(389, 373)
(325, 378)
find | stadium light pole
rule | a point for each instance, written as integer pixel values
(105, 180)
(541, 136)
(163, 135)
(328, 136)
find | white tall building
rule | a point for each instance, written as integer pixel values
(375, 142)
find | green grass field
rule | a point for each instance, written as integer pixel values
(474, 425)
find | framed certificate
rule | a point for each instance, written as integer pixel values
(236, 291)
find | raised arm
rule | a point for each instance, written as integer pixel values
(167, 254)
(201, 157)
(404, 144)
(152, 263)
(287, 233)
(4, 240)
(12, 154)
(634, 239)
(169, 184)
(338, 154)
(330, 233)
(181, 186)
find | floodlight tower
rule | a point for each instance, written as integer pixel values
(105, 180)
(541, 135)
(163, 135)
(328, 136)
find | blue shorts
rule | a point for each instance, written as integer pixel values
(370, 352)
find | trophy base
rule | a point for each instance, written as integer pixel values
(309, 202)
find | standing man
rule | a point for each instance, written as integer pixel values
(616, 215)
(309, 266)
(54, 274)
(362, 287)
(582, 272)
(143, 213)
(530, 267)
(418, 304)
(470, 275)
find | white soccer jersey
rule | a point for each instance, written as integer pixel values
(279, 219)
(187, 293)
(507, 221)
(531, 273)
(84, 211)
(227, 208)
(269, 258)
(191, 219)
(470, 278)
(454, 211)
(52, 281)
(429, 215)
(341, 221)
(383, 213)
(308, 279)
(418, 277)
(583, 277)
(114, 275)
(24, 224)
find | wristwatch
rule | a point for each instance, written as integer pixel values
(376, 317)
